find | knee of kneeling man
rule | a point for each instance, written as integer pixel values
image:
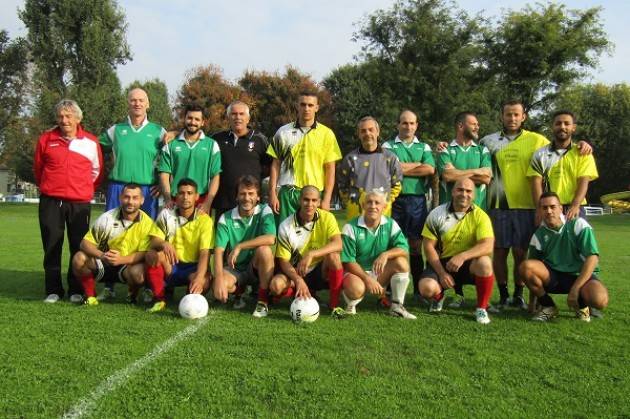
(484, 264)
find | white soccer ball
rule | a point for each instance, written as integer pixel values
(193, 306)
(304, 310)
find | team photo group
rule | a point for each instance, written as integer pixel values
(187, 209)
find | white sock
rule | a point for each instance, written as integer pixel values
(399, 283)
(351, 303)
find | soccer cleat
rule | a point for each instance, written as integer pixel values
(147, 295)
(76, 298)
(51, 299)
(481, 315)
(398, 310)
(107, 294)
(457, 302)
(239, 302)
(91, 301)
(261, 310)
(598, 314)
(501, 305)
(545, 314)
(132, 298)
(338, 313)
(519, 302)
(157, 307)
(436, 306)
(583, 314)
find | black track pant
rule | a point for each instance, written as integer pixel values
(54, 216)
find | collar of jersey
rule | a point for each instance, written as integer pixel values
(142, 125)
(237, 216)
(455, 144)
(192, 217)
(450, 208)
(296, 125)
(552, 146)
(122, 220)
(182, 138)
(503, 135)
(558, 231)
(361, 222)
(249, 134)
(414, 141)
(298, 222)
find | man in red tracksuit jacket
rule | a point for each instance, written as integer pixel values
(68, 167)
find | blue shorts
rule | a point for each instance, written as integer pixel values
(112, 199)
(410, 212)
(512, 227)
(180, 273)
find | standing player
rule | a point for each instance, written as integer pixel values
(458, 242)
(242, 248)
(374, 255)
(563, 258)
(560, 168)
(68, 166)
(243, 152)
(304, 153)
(181, 241)
(367, 168)
(463, 158)
(307, 254)
(194, 156)
(115, 246)
(410, 207)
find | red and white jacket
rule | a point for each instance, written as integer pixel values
(68, 169)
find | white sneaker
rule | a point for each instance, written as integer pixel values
(457, 302)
(481, 315)
(147, 296)
(76, 298)
(399, 310)
(436, 306)
(106, 295)
(261, 310)
(52, 298)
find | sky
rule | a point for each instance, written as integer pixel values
(168, 38)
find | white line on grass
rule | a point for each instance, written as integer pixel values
(88, 403)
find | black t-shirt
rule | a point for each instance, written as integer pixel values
(247, 156)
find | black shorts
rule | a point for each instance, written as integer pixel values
(108, 273)
(561, 282)
(512, 227)
(461, 277)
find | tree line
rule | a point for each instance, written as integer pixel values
(429, 56)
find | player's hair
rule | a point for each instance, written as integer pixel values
(512, 102)
(310, 93)
(460, 118)
(187, 182)
(132, 185)
(308, 188)
(374, 192)
(548, 194)
(564, 112)
(195, 107)
(71, 105)
(228, 111)
(248, 181)
(368, 118)
(407, 110)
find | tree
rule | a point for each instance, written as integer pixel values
(13, 80)
(159, 110)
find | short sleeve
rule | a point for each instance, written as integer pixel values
(349, 249)
(427, 156)
(222, 236)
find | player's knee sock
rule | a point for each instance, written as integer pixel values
(89, 285)
(351, 303)
(415, 263)
(484, 284)
(335, 281)
(518, 291)
(503, 291)
(399, 283)
(263, 296)
(459, 289)
(155, 278)
(546, 301)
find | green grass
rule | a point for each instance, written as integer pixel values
(368, 366)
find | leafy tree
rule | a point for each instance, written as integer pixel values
(13, 79)
(159, 109)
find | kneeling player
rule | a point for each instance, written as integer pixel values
(114, 248)
(375, 253)
(181, 241)
(457, 242)
(307, 254)
(244, 238)
(563, 258)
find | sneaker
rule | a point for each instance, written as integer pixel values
(91, 301)
(398, 310)
(239, 302)
(598, 314)
(147, 295)
(52, 298)
(132, 298)
(261, 310)
(383, 302)
(545, 314)
(351, 310)
(157, 307)
(76, 298)
(457, 302)
(107, 294)
(583, 314)
(481, 315)
(519, 302)
(436, 306)
(501, 305)
(338, 313)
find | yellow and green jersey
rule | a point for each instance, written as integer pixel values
(303, 152)
(561, 168)
(413, 152)
(111, 232)
(296, 238)
(511, 158)
(187, 235)
(456, 232)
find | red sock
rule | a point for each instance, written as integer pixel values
(288, 293)
(484, 286)
(155, 278)
(439, 296)
(263, 297)
(335, 281)
(89, 285)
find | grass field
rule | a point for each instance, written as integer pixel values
(116, 360)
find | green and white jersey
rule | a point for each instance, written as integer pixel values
(463, 158)
(362, 245)
(135, 151)
(233, 229)
(199, 160)
(413, 152)
(565, 249)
